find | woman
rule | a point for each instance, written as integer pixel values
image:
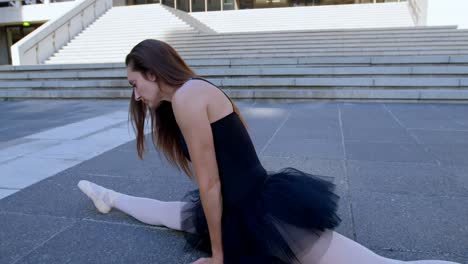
(241, 213)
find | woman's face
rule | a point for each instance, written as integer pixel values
(146, 90)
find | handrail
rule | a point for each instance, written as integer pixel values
(36, 47)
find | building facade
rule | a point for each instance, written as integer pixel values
(220, 5)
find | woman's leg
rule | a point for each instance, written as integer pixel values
(151, 211)
(148, 211)
(431, 262)
(334, 248)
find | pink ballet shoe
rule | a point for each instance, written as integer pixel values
(102, 198)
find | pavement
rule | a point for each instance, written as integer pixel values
(401, 171)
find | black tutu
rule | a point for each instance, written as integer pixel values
(274, 223)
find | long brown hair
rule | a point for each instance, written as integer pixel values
(159, 58)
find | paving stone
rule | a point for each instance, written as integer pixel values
(6, 192)
(460, 179)
(432, 137)
(24, 171)
(68, 201)
(403, 178)
(411, 222)
(101, 242)
(390, 152)
(390, 135)
(404, 199)
(22, 233)
(415, 256)
(26, 117)
(312, 148)
(450, 154)
(424, 116)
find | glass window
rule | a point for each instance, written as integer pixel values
(198, 5)
(228, 4)
(246, 4)
(214, 5)
(183, 5)
(168, 2)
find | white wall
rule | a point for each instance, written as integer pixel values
(309, 17)
(34, 13)
(447, 12)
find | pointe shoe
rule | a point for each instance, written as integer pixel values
(102, 198)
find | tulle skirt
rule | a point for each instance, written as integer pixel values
(276, 223)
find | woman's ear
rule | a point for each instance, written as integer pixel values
(151, 77)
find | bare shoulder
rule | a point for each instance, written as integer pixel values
(194, 93)
(197, 95)
(190, 102)
(193, 90)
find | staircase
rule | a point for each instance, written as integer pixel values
(118, 30)
(392, 63)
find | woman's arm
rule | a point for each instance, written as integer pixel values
(191, 114)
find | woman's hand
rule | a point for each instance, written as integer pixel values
(209, 261)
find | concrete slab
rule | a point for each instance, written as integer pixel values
(83, 128)
(23, 233)
(405, 201)
(68, 201)
(110, 243)
(313, 148)
(388, 152)
(383, 135)
(422, 117)
(24, 171)
(23, 118)
(450, 155)
(6, 192)
(440, 137)
(87, 147)
(411, 222)
(419, 255)
(460, 179)
(401, 178)
(31, 146)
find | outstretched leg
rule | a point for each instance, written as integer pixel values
(151, 211)
(148, 211)
(334, 248)
(431, 262)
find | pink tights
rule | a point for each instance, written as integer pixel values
(330, 248)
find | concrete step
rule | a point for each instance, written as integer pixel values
(65, 94)
(195, 43)
(285, 62)
(361, 94)
(462, 45)
(322, 61)
(204, 38)
(302, 42)
(246, 82)
(144, 23)
(371, 71)
(417, 78)
(121, 57)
